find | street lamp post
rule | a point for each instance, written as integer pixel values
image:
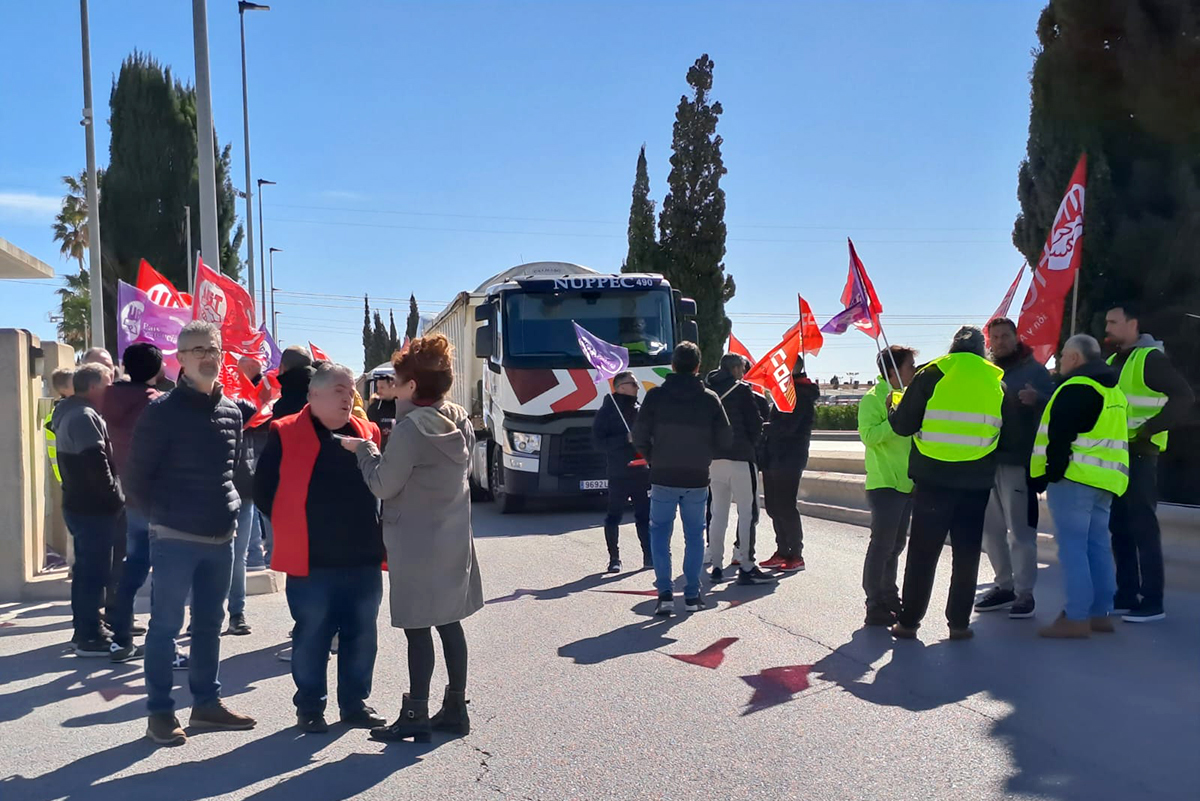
(209, 241)
(274, 328)
(262, 256)
(243, 7)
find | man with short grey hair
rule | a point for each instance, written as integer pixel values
(98, 356)
(185, 450)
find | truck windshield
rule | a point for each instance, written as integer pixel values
(537, 325)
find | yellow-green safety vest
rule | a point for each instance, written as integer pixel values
(1144, 402)
(962, 417)
(1100, 457)
(51, 447)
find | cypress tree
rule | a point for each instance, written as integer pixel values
(379, 341)
(393, 340)
(367, 341)
(643, 247)
(414, 319)
(692, 224)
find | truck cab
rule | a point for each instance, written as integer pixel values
(537, 393)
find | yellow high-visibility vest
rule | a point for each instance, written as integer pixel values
(1144, 402)
(1100, 457)
(51, 447)
(962, 417)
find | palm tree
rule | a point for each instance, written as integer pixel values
(71, 231)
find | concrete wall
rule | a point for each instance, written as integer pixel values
(23, 459)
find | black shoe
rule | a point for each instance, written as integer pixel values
(755, 576)
(693, 604)
(237, 626)
(995, 599)
(311, 723)
(94, 647)
(365, 718)
(1144, 613)
(126, 653)
(413, 724)
(717, 575)
(614, 565)
(1022, 609)
(453, 716)
(1123, 606)
(665, 606)
(879, 616)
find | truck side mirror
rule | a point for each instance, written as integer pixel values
(691, 331)
(483, 313)
(687, 307)
(483, 342)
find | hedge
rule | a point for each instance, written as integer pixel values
(837, 418)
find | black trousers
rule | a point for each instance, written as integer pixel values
(1136, 537)
(753, 513)
(631, 486)
(891, 511)
(938, 511)
(781, 489)
(420, 659)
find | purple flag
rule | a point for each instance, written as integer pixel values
(268, 352)
(140, 319)
(607, 359)
(858, 307)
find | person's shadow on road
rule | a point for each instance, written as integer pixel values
(648, 634)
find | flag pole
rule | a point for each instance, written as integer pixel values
(1074, 302)
(879, 325)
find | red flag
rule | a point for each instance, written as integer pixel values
(233, 381)
(774, 371)
(263, 415)
(869, 326)
(1042, 311)
(811, 338)
(317, 354)
(160, 290)
(735, 346)
(222, 301)
(1005, 305)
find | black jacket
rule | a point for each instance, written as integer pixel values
(381, 409)
(906, 420)
(186, 448)
(252, 443)
(610, 435)
(679, 429)
(745, 420)
(788, 434)
(1075, 412)
(293, 392)
(342, 514)
(85, 459)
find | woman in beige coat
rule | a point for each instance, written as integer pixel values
(433, 575)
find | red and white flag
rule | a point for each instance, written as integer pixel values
(224, 302)
(159, 289)
(774, 371)
(317, 354)
(870, 325)
(1042, 312)
(1006, 304)
(234, 382)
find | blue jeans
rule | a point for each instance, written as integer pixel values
(1080, 517)
(93, 537)
(181, 567)
(137, 567)
(266, 536)
(692, 504)
(241, 546)
(328, 601)
(255, 556)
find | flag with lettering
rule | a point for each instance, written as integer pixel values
(225, 303)
(140, 319)
(606, 358)
(159, 289)
(1040, 323)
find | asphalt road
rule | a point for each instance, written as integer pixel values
(577, 694)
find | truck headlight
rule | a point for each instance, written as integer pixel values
(525, 443)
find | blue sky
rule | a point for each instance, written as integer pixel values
(420, 147)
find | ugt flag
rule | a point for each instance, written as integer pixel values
(607, 359)
(862, 306)
(233, 381)
(159, 289)
(774, 371)
(139, 319)
(225, 303)
(1042, 311)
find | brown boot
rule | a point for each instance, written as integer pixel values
(1062, 628)
(1103, 625)
(216, 715)
(164, 729)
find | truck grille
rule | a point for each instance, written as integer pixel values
(575, 456)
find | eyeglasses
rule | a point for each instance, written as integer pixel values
(202, 352)
(627, 384)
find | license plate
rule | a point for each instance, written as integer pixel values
(598, 484)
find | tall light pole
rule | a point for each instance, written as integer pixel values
(95, 285)
(274, 332)
(210, 246)
(243, 7)
(187, 236)
(262, 256)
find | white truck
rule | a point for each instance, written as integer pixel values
(519, 372)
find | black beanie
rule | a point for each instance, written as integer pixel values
(142, 361)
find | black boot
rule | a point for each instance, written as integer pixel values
(412, 723)
(453, 717)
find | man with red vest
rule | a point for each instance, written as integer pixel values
(329, 542)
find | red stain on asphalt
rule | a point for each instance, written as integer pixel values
(647, 593)
(113, 691)
(6, 624)
(711, 657)
(735, 603)
(776, 685)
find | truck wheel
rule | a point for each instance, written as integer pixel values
(507, 503)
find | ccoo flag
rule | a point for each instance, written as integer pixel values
(1042, 311)
(607, 359)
